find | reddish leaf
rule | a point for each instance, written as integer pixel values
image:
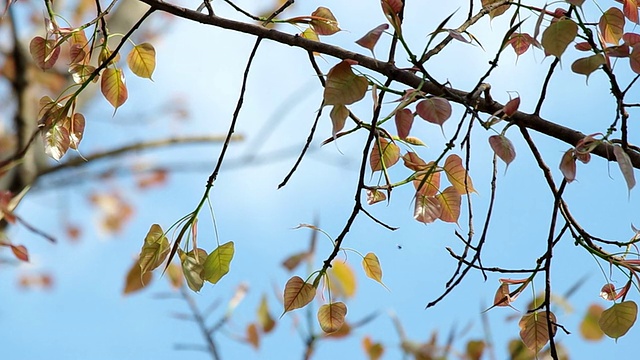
(297, 294)
(450, 201)
(338, 115)
(113, 87)
(568, 165)
(511, 106)
(534, 330)
(253, 337)
(521, 42)
(435, 110)
(370, 40)
(612, 25)
(375, 196)
(20, 252)
(413, 162)
(626, 167)
(331, 316)
(503, 148)
(44, 52)
(583, 46)
(576, 2)
(323, 22)
(404, 121)
(608, 292)
(383, 155)
(75, 128)
(343, 86)
(502, 298)
(621, 51)
(427, 209)
(429, 187)
(457, 175)
(293, 261)
(56, 141)
(558, 36)
(142, 60)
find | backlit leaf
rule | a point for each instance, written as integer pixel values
(331, 316)
(176, 278)
(375, 196)
(154, 250)
(558, 36)
(618, 319)
(412, 140)
(135, 280)
(293, 261)
(589, 327)
(266, 321)
(435, 110)
(323, 22)
(626, 167)
(611, 25)
(113, 87)
(342, 279)
(503, 148)
(511, 106)
(429, 187)
(371, 266)
(105, 53)
(634, 58)
(370, 40)
(81, 72)
(20, 252)
(373, 350)
(297, 294)
(384, 154)
(217, 264)
(630, 10)
(631, 38)
(521, 42)
(427, 209)
(339, 114)
(75, 128)
(587, 65)
(253, 337)
(502, 297)
(496, 11)
(450, 201)
(142, 60)
(608, 292)
(457, 175)
(44, 52)
(568, 165)
(413, 162)
(192, 266)
(534, 331)
(343, 86)
(475, 349)
(404, 121)
(56, 141)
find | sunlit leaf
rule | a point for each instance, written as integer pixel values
(618, 319)
(634, 58)
(176, 278)
(414, 141)
(413, 162)
(427, 209)
(105, 53)
(404, 121)
(371, 266)
(502, 298)
(588, 65)
(534, 331)
(113, 87)
(44, 52)
(450, 201)
(81, 72)
(135, 280)
(626, 167)
(154, 250)
(297, 294)
(342, 279)
(503, 148)
(611, 25)
(373, 350)
(253, 337)
(558, 36)
(475, 349)
(343, 86)
(589, 327)
(457, 175)
(293, 261)
(79, 47)
(217, 264)
(339, 114)
(56, 141)
(370, 40)
(384, 154)
(142, 60)
(331, 316)
(375, 196)
(20, 252)
(496, 11)
(266, 321)
(323, 22)
(192, 267)
(568, 165)
(430, 186)
(521, 42)
(435, 110)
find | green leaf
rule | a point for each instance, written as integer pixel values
(371, 266)
(154, 250)
(587, 65)
(113, 87)
(339, 114)
(558, 36)
(618, 319)
(56, 141)
(343, 86)
(323, 22)
(192, 267)
(457, 175)
(331, 316)
(142, 60)
(217, 264)
(297, 294)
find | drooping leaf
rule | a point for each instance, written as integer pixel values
(618, 319)
(503, 148)
(496, 11)
(588, 65)
(634, 58)
(534, 330)
(589, 327)
(558, 36)
(608, 292)
(457, 175)
(375, 196)
(217, 263)
(135, 280)
(413, 162)
(383, 155)
(435, 110)
(404, 121)
(342, 280)
(44, 52)
(339, 114)
(56, 141)
(113, 87)
(176, 278)
(373, 350)
(142, 60)
(75, 128)
(371, 266)
(331, 316)
(475, 349)
(450, 201)
(521, 42)
(427, 209)
(297, 294)
(391, 9)
(154, 250)
(20, 252)
(343, 86)
(630, 10)
(192, 267)
(568, 165)
(105, 54)
(370, 40)
(253, 337)
(266, 321)
(294, 260)
(626, 167)
(511, 106)
(611, 25)
(428, 187)
(81, 72)
(323, 22)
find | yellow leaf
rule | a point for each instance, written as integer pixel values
(457, 175)
(342, 279)
(297, 294)
(331, 316)
(373, 350)
(192, 266)
(113, 87)
(534, 331)
(611, 25)
(142, 60)
(589, 327)
(558, 36)
(383, 155)
(449, 201)
(154, 250)
(217, 264)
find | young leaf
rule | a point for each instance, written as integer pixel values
(534, 331)
(435, 110)
(618, 319)
(375, 196)
(339, 114)
(253, 337)
(611, 25)
(427, 209)
(404, 121)
(44, 52)
(331, 316)
(293, 261)
(370, 40)
(626, 167)
(75, 128)
(502, 297)
(266, 321)
(343, 86)
(176, 278)
(385, 155)
(217, 263)
(558, 36)
(297, 294)
(497, 11)
(634, 58)
(113, 87)
(457, 175)
(568, 165)
(56, 141)
(192, 266)
(136, 280)
(323, 22)
(511, 106)
(342, 279)
(450, 201)
(154, 250)
(20, 252)
(374, 350)
(142, 60)
(589, 327)
(630, 9)
(503, 148)
(588, 65)
(371, 266)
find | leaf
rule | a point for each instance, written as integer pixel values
(113, 87)
(414, 141)
(450, 201)
(511, 106)
(630, 10)
(503, 147)
(342, 280)
(413, 162)
(383, 155)
(634, 58)
(176, 278)
(297, 294)
(521, 42)
(475, 349)
(435, 110)
(142, 60)
(343, 86)
(56, 141)
(105, 53)
(339, 114)
(154, 250)
(404, 121)
(618, 319)
(631, 38)
(427, 209)
(81, 73)
(135, 280)
(370, 40)
(374, 350)
(323, 22)
(534, 331)
(217, 264)
(192, 266)
(75, 128)
(391, 9)
(457, 175)
(589, 327)
(558, 36)
(568, 165)
(266, 321)
(331, 316)
(45, 53)
(293, 261)
(20, 252)
(371, 266)
(431, 186)
(611, 25)
(497, 11)
(588, 65)
(626, 167)
(375, 196)
(608, 292)
(253, 337)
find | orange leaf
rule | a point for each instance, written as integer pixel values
(323, 22)
(142, 60)
(449, 200)
(427, 187)
(135, 280)
(413, 162)
(435, 110)
(370, 40)
(297, 294)
(384, 155)
(457, 175)
(589, 327)
(427, 209)
(331, 316)
(113, 87)
(371, 266)
(611, 25)
(630, 9)
(343, 86)
(20, 252)
(404, 121)
(253, 337)
(534, 330)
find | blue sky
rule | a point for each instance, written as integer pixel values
(86, 316)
